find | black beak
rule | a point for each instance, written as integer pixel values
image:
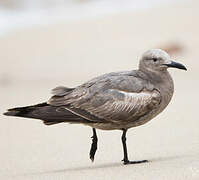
(176, 65)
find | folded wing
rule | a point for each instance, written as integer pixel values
(111, 105)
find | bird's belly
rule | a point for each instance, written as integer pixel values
(124, 124)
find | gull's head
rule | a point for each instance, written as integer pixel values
(155, 60)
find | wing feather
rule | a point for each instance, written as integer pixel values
(115, 109)
(110, 98)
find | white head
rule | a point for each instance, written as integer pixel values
(155, 60)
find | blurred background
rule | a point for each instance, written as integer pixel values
(62, 37)
(47, 43)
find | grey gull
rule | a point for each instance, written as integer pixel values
(114, 101)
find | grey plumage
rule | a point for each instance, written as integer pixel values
(119, 100)
(61, 91)
(112, 101)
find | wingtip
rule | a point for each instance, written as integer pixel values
(10, 113)
(5, 113)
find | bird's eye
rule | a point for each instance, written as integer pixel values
(154, 59)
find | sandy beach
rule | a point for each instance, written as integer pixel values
(35, 60)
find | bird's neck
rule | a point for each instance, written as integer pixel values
(166, 84)
(162, 80)
(157, 76)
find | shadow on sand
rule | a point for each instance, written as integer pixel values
(73, 169)
(109, 165)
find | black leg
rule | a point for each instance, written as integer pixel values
(93, 145)
(126, 160)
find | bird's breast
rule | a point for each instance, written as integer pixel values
(166, 89)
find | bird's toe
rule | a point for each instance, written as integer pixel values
(134, 162)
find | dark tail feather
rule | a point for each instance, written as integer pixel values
(49, 114)
(23, 111)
